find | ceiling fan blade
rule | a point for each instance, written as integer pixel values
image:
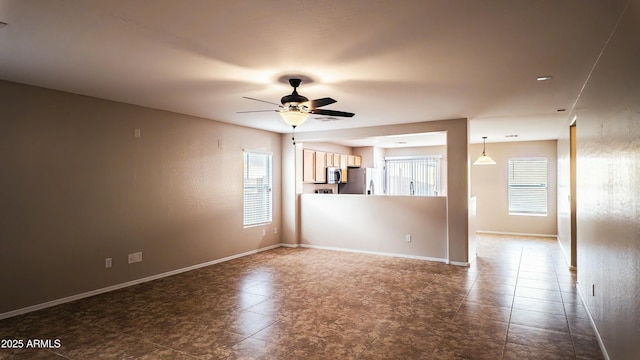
(312, 104)
(264, 101)
(331, 112)
(252, 111)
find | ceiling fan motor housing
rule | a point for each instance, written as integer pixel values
(294, 98)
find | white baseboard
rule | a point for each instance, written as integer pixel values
(289, 245)
(593, 325)
(516, 234)
(459, 263)
(564, 254)
(374, 253)
(127, 284)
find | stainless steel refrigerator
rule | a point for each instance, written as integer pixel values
(362, 181)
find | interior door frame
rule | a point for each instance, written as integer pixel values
(572, 194)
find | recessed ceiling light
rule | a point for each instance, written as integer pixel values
(544, 78)
(3, 24)
(401, 142)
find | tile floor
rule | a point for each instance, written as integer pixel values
(518, 301)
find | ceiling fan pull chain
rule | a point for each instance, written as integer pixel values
(293, 135)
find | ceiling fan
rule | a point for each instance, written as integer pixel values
(295, 108)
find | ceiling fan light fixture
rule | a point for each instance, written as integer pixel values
(484, 159)
(293, 116)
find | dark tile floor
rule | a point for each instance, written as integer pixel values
(518, 301)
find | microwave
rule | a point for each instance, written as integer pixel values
(334, 175)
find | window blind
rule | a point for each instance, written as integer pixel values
(413, 176)
(528, 186)
(257, 182)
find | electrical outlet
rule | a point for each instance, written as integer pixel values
(264, 232)
(275, 230)
(135, 257)
(107, 263)
(407, 238)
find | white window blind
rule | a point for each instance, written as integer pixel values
(257, 189)
(413, 176)
(528, 186)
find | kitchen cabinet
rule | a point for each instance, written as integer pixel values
(308, 166)
(354, 161)
(320, 167)
(330, 159)
(344, 163)
(314, 165)
(335, 158)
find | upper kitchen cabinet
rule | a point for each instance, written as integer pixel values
(308, 166)
(344, 163)
(320, 167)
(333, 159)
(314, 165)
(354, 161)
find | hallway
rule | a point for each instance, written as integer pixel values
(531, 277)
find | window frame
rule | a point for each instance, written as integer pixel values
(527, 191)
(437, 163)
(264, 191)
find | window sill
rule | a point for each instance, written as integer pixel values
(528, 214)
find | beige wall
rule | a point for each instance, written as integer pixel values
(292, 157)
(608, 190)
(78, 187)
(368, 155)
(489, 185)
(376, 224)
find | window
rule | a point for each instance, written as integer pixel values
(528, 186)
(413, 176)
(257, 182)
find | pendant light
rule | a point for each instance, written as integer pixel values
(484, 159)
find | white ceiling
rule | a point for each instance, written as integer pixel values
(388, 61)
